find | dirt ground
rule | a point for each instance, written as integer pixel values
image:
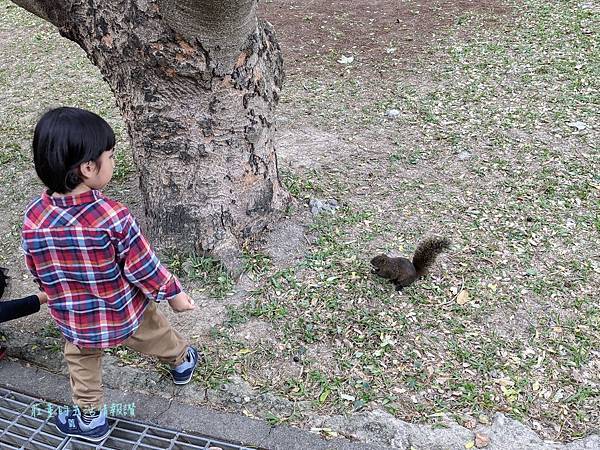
(475, 120)
(311, 32)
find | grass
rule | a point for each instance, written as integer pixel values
(521, 210)
(208, 273)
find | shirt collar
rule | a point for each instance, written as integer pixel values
(64, 201)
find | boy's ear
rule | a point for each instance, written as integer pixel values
(87, 169)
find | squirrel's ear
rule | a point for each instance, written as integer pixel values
(378, 260)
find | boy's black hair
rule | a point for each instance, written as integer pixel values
(63, 139)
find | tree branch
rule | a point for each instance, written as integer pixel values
(214, 22)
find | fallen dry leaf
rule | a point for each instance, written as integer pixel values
(481, 440)
(470, 424)
(346, 59)
(463, 297)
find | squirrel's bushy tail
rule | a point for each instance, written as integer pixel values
(426, 253)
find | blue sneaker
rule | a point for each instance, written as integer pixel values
(69, 423)
(182, 374)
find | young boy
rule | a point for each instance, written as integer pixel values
(88, 254)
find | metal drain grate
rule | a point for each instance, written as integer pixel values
(23, 425)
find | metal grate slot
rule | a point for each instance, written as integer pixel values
(12, 439)
(132, 426)
(7, 414)
(19, 430)
(118, 444)
(193, 440)
(165, 434)
(80, 445)
(30, 422)
(155, 441)
(125, 434)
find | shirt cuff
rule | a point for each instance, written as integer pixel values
(169, 290)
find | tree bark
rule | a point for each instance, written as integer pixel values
(197, 83)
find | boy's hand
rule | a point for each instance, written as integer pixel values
(181, 302)
(42, 297)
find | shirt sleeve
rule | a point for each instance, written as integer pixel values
(21, 307)
(141, 266)
(30, 265)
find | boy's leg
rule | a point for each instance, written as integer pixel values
(156, 337)
(85, 371)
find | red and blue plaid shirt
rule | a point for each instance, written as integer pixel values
(87, 253)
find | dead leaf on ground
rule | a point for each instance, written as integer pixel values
(463, 297)
(481, 440)
(470, 424)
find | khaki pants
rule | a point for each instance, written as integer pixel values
(154, 337)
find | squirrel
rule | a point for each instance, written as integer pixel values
(401, 271)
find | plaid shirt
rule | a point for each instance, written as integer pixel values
(87, 253)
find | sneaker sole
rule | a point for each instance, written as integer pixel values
(87, 438)
(184, 381)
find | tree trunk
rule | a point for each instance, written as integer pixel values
(196, 83)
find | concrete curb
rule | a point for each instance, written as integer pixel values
(158, 411)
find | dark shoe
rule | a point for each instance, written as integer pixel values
(68, 422)
(182, 374)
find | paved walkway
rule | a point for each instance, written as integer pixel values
(29, 396)
(27, 423)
